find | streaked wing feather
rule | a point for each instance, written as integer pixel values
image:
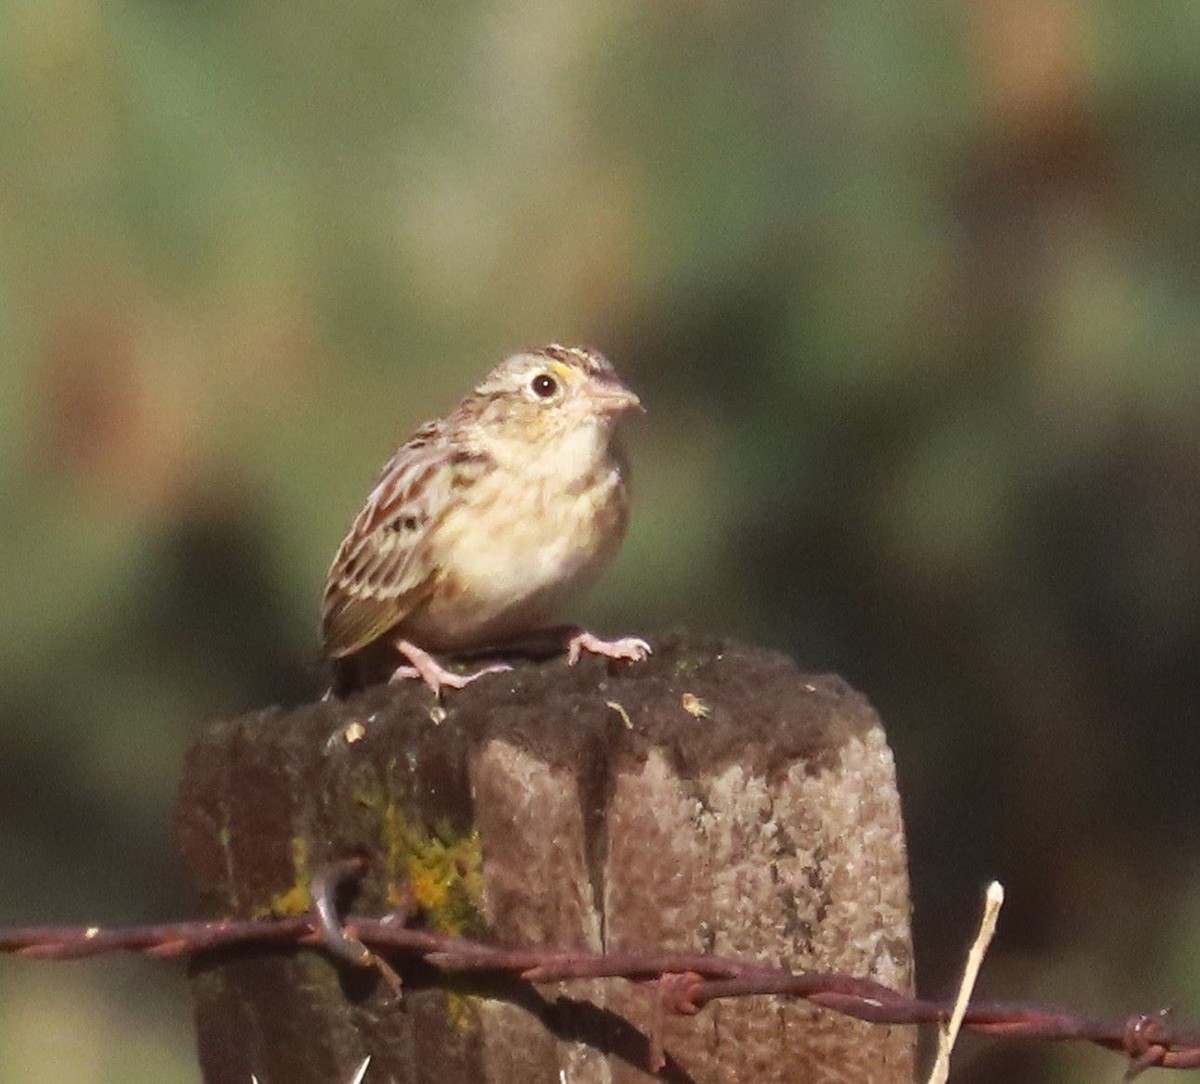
(380, 573)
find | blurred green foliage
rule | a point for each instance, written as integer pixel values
(910, 291)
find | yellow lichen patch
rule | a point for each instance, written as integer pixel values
(297, 900)
(461, 1010)
(445, 881)
(395, 845)
(437, 876)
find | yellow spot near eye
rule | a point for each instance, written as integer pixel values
(563, 372)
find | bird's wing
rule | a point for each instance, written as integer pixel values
(384, 568)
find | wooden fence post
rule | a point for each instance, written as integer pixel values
(712, 798)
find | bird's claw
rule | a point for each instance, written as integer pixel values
(433, 673)
(628, 648)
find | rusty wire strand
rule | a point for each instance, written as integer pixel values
(685, 981)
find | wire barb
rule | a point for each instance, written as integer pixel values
(323, 888)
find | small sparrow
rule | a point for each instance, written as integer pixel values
(485, 523)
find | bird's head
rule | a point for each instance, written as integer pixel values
(552, 394)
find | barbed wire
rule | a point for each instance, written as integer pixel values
(685, 982)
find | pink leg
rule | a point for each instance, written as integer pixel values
(629, 647)
(429, 670)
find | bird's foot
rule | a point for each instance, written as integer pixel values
(433, 673)
(629, 648)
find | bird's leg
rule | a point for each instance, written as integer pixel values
(433, 673)
(578, 640)
(553, 639)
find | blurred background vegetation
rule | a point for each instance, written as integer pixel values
(910, 291)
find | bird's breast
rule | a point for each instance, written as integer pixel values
(517, 550)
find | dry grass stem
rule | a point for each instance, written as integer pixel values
(948, 1032)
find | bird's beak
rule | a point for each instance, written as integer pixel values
(615, 399)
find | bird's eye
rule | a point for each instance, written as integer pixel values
(544, 385)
